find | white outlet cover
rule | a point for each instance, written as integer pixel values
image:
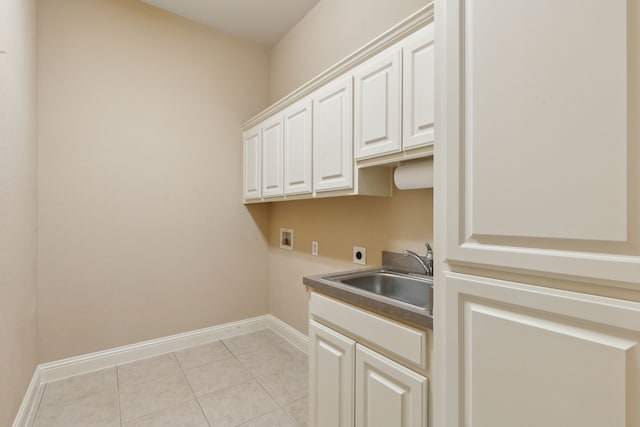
(314, 248)
(360, 255)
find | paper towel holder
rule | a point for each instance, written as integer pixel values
(414, 174)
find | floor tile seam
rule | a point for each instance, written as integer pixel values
(284, 408)
(273, 410)
(118, 396)
(265, 373)
(181, 372)
(270, 394)
(202, 364)
(296, 362)
(210, 363)
(282, 340)
(139, 383)
(251, 380)
(159, 410)
(192, 391)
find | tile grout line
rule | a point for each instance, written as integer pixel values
(116, 367)
(191, 388)
(274, 398)
(255, 378)
(118, 393)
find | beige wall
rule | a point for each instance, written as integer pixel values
(18, 305)
(404, 221)
(332, 30)
(142, 230)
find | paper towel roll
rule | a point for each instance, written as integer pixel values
(415, 174)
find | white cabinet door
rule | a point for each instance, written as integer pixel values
(333, 136)
(541, 137)
(388, 394)
(297, 148)
(418, 89)
(377, 105)
(272, 155)
(331, 362)
(539, 357)
(252, 165)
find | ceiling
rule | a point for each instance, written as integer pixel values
(261, 21)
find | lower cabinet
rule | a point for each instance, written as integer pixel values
(388, 394)
(537, 356)
(331, 379)
(352, 385)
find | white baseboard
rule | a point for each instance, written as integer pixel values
(295, 337)
(30, 402)
(64, 368)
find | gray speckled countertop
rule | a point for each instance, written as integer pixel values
(385, 306)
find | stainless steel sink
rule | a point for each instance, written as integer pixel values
(411, 289)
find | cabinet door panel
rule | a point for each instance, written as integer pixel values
(272, 171)
(252, 150)
(377, 106)
(388, 394)
(297, 148)
(540, 356)
(333, 136)
(542, 144)
(331, 374)
(418, 89)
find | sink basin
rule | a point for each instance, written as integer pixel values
(414, 290)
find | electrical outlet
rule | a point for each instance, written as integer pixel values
(314, 248)
(360, 255)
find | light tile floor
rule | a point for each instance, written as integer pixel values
(252, 380)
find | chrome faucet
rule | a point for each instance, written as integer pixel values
(428, 266)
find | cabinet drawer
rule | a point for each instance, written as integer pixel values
(406, 342)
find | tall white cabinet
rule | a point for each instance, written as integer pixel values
(537, 213)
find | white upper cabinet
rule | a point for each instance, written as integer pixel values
(333, 136)
(252, 167)
(418, 87)
(272, 154)
(297, 148)
(377, 105)
(541, 135)
(306, 146)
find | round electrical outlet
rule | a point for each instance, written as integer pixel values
(359, 255)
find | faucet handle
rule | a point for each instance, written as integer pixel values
(429, 251)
